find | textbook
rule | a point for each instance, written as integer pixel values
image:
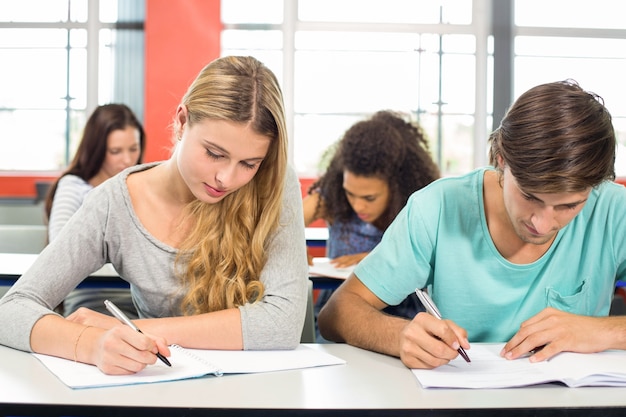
(489, 370)
(323, 268)
(191, 363)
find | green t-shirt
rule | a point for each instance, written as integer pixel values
(441, 240)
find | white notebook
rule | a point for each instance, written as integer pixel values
(191, 363)
(323, 268)
(489, 370)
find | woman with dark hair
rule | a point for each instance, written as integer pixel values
(113, 140)
(378, 164)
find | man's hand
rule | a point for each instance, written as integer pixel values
(428, 342)
(553, 331)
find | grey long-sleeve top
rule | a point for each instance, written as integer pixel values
(106, 229)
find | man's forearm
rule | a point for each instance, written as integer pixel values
(348, 318)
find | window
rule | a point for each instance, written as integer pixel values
(588, 46)
(63, 63)
(338, 61)
(349, 59)
(342, 60)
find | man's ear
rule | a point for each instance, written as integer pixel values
(500, 162)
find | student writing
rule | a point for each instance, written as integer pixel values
(526, 251)
(210, 240)
(378, 164)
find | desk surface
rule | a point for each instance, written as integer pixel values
(316, 233)
(369, 384)
(13, 265)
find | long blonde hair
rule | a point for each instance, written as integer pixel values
(221, 259)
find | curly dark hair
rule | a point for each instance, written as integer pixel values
(385, 146)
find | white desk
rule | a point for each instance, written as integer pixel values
(13, 265)
(16, 263)
(369, 384)
(316, 236)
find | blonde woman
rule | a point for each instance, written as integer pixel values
(211, 240)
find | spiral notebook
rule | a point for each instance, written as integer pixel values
(191, 363)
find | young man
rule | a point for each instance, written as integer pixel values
(525, 252)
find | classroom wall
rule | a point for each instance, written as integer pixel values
(22, 185)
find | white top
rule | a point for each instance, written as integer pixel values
(70, 194)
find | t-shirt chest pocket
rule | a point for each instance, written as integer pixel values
(576, 302)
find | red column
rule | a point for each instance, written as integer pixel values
(182, 36)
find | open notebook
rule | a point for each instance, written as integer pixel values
(191, 363)
(489, 370)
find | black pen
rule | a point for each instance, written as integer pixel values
(430, 306)
(122, 317)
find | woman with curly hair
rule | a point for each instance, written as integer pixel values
(377, 165)
(210, 240)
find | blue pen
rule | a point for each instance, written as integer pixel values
(432, 309)
(119, 314)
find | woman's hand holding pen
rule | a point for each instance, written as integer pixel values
(427, 342)
(553, 331)
(120, 349)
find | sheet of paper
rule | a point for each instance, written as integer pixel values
(252, 361)
(191, 363)
(80, 375)
(323, 268)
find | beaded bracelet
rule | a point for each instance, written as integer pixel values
(77, 339)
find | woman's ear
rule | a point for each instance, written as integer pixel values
(180, 121)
